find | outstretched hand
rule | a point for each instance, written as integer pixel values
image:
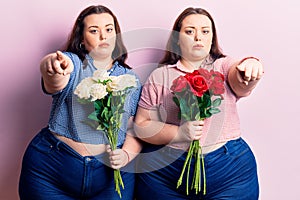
(118, 158)
(59, 64)
(250, 70)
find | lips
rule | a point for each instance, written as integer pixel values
(198, 46)
(103, 45)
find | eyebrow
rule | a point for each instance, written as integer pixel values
(195, 27)
(95, 26)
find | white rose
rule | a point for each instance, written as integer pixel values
(98, 91)
(84, 87)
(112, 84)
(120, 83)
(101, 75)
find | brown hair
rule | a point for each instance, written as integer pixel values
(173, 51)
(73, 44)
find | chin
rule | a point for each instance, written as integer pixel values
(199, 56)
(103, 52)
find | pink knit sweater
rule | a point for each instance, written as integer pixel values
(219, 128)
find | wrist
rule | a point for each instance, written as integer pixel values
(127, 157)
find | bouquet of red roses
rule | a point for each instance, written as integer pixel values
(198, 95)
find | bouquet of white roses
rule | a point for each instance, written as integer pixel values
(108, 94)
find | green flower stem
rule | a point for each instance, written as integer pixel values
(197, 185)
(118, 181)
(196, 151)
(188, 175)
(188, 157)
(112, 136)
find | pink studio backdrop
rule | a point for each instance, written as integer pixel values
(267, 29)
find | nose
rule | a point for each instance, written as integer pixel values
(198, 36)
(102, 36)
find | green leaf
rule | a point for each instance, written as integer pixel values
(185, 116)
(198, 117)
(97, 104)
(206, 113)
(108, 100)
(184, 108)
(106, 125)
(214, 110)
(100, 128)
(83, 101)
(121, 110)
(105, 114)
(206, 100)
(176, 101)
(216, 102)
(94, 116)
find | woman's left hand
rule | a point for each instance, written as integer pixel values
(118, 158)
(250, 70)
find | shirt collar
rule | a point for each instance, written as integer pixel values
(207, 64)
(114, 66)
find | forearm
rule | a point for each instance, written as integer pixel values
(149, 127)
(132, 146)
(156, 132)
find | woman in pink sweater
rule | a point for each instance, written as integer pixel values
(230, 165)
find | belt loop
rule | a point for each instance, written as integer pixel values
(57, 144)
(225, 148)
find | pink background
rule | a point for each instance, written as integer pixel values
(267, 29)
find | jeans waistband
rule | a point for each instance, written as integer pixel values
(166, 149)
(223, 149)
(58, 144)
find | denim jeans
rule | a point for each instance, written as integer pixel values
(231, 173)
(53, 170)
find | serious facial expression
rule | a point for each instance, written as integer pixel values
(195, 37)
(99, 35)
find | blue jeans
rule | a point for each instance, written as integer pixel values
(231, 173)
(53, 170)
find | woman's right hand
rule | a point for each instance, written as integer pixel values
(56, 69)
(57, 63)
(189, 131)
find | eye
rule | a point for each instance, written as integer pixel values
(189, 31)
(93, 31)
(206, 32)
(109, 30)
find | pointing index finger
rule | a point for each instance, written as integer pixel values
(61, 59)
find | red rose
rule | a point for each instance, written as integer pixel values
(217, 85)
(180, 84)
(189, 76)
(205, 73)
(198, 85)
(216, 74)
(217, 89)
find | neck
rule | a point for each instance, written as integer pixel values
(192, 65)
(104, 63)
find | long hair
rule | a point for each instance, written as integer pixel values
(173, 51)
(73, 44)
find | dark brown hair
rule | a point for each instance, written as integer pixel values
(73, 44)
(173, 52)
